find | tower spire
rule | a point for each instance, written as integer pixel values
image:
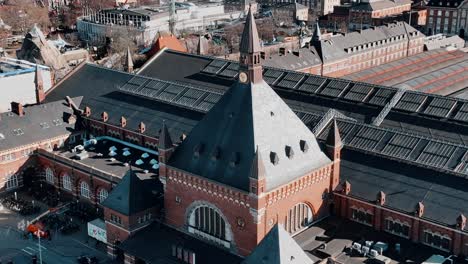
(317, 36)
(250, 66)
(129, 61)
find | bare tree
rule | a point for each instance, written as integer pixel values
(21, 15)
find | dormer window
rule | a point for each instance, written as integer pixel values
(304, 146)
(289, 152)
(274, 158)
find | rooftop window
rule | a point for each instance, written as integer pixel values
(44, 125)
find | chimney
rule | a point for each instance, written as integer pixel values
(297, 53)
(123, 121)
(262, 55)
(282, 51)
(381, 198)
(17, 108)
(307, 45)
(87, 111)
(346, 187)
(104, 116)
(461, 222)
(419, 209)
(142, 127)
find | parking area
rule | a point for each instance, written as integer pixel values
(65, 235)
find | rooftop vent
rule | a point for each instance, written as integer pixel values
(289, 152)
(303, 145)
(197, 150)
(274, 158)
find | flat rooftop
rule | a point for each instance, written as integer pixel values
(99, 158)
(333, 236)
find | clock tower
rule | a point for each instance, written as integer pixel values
(250, 65)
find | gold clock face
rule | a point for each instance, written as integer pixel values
(243, 77)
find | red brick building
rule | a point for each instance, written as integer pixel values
(221, 164)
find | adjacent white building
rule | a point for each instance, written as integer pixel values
(17, 82)
(144, 23)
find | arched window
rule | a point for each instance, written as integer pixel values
(12, 181)
(84, 189)
(49, 175)
(207, 222)
(66, 182)
(299, 217)
(102, 195)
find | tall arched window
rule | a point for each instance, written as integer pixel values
(84, 189)
(49, 175)
(299, 217)
(102, 195)
(207, 222)
(12, 181)
(66, 182)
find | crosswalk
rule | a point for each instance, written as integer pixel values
(33, 250)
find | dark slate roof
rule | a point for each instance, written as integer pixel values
(39, 122)
(163, 238)
(250, 116)
(444, 3)
(131, 195)
(277, 247)
(101, 89)
(443, 195)
(424, 114)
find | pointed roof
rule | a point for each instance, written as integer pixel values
(250, 42)
(277, 247)
(130, 196)
(258, 168)
(317, 35)
(334, 138)
(165, 141)
(249, 115)
(129, 62)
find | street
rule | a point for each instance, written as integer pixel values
(61, 249)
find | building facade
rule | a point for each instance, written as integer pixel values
(235, 166)
(447, 17)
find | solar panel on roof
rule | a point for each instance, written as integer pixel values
(367, 138)
(382, 96)
(440, 107)
(231, 71)
(309, 119)
(334, 88)
(290, 81)
(400, 145)
(462, 114)
(312, 84)
(359, 92)
(214, 66)
(271, 76)
(436, 154)
(170, 92)
(137, 80)
(411, 101)
(190, 97)
(208, 101)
